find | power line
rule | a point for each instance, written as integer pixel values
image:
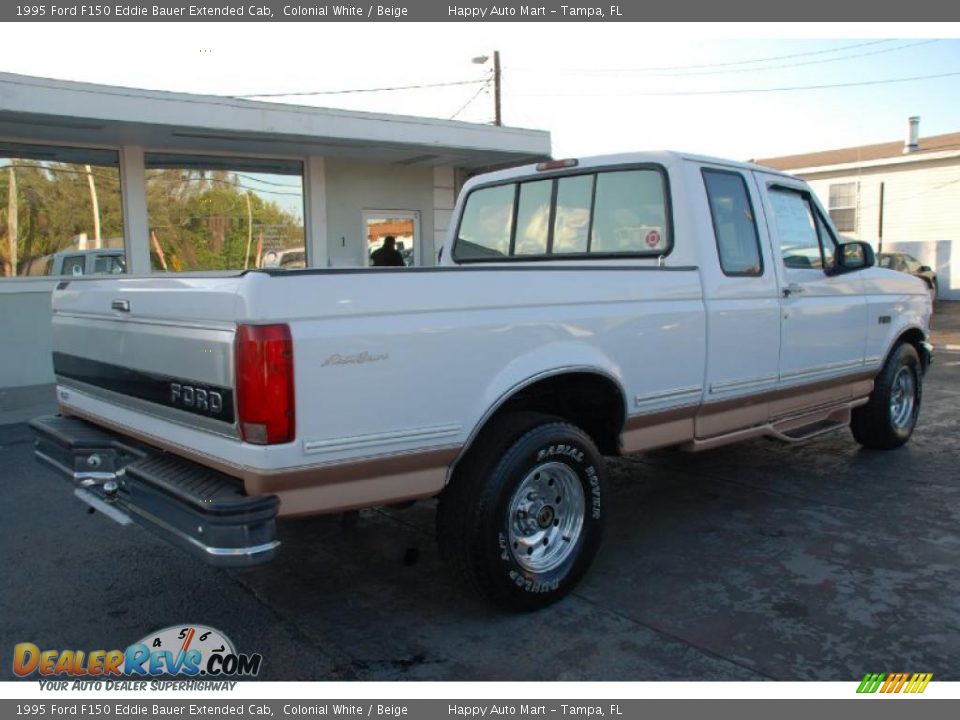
(767, 67)
(363, 90)
(723, 64)
(740, 91)
(231, 184)
(69, 171)
(467, 103)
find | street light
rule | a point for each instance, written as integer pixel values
(481, 60)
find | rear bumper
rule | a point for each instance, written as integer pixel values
(186, 504)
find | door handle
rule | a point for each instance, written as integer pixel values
(793, 289)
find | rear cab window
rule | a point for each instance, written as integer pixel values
(591, 213)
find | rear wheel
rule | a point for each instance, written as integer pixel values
(888, 419)
(523, 516)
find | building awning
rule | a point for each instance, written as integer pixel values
(44, 110)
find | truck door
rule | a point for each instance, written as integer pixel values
(742, 305)
(823, 316)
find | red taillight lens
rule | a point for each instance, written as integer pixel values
(264, 355)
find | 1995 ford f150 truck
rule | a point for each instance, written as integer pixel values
(579, 309)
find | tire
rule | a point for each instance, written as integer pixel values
(503, 524)
(888, 419)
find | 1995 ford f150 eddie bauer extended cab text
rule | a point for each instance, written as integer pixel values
(579, 309)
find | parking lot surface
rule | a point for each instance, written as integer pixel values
(757, 561)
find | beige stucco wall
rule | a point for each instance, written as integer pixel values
(353, 187)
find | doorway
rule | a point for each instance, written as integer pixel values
(401, 225)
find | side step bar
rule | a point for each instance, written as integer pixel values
(797, 428)
(191, 506)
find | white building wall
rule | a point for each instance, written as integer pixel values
(353, 187)
(444, 199)
(921, 214)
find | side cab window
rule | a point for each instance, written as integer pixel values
(734, 223)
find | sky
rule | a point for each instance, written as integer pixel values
(598, 88)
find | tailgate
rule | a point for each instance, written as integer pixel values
(162, 346)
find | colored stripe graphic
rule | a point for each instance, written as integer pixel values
(894, 682)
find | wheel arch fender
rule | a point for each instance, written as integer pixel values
(531, 381)
(914, 335)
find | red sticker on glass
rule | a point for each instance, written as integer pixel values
(653, 238)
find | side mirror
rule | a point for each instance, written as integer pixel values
(854, 255)
(926, 268)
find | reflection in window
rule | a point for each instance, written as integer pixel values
(214, 213)
(485, 225)
(55, 203)
(737, 242)
(533, 218)
(621, 211)
(629, 215)
(390, 241)
(572, 223)
(799, 245)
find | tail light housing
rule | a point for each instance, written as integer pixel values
(265, 401)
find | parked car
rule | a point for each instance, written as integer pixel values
(110, 261)
(585, 308)
(903, 262)
(286, 259)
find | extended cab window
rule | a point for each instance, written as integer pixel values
(486, 223)
(603, 213)
(735, 228)
(805, 241)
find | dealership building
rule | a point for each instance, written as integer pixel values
(97, 178)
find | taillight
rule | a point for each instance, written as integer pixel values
(264, 356)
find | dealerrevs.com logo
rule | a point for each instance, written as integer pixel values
(179, 650)
(889, 683)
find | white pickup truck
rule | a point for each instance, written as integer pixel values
(579, 309)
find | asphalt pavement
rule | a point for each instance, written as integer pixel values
(821, 561)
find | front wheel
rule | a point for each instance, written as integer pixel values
(888, 419)
(523, 516)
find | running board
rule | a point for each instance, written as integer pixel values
(807, 432)
(812, 423)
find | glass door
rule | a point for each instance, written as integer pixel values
(392, 238)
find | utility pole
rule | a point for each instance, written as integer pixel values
(482, 60)
(12, 220)
(498, 120)
(96, 207)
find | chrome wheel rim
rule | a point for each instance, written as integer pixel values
(903, 394)
(545, 517)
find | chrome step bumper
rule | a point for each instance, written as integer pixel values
(186, 504)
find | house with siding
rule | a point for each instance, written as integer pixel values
(900, 196)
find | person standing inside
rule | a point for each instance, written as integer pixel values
(387, 255)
